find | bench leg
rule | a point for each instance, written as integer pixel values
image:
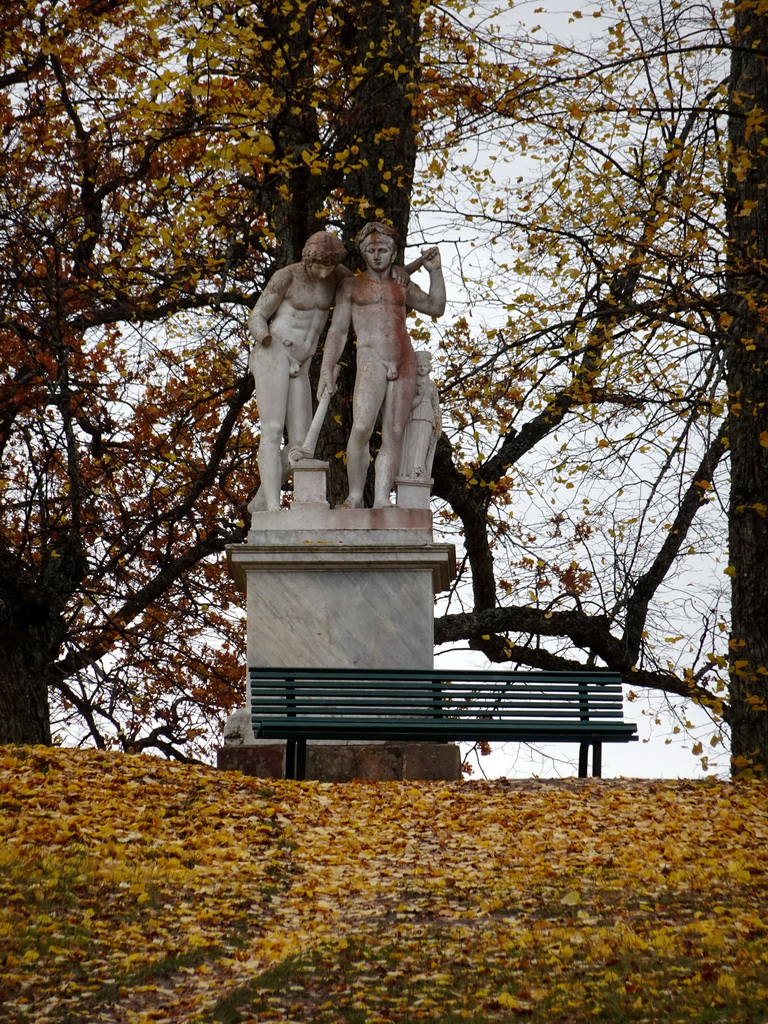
(301, 759)
(597, 760)
(295, 759)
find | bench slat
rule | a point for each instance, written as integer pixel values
(419, 675)
(449, 689)
(445, 694)
(383, 728)
(444, 681)
(386, 710)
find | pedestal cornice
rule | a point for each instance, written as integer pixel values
(322, 555)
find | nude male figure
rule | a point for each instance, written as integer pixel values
(374, 304)
(286, 324)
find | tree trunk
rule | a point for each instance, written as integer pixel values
(381, 124)
(747, 375)
(24, 667)
(376, 123)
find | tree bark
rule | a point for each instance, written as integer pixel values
(380, 122)
(747, 376)
(25, 659)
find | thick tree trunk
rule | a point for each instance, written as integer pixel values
(24, 667)
(32, 630)
(381, 124)
(376, 123)
(747, 375)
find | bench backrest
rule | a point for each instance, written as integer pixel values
(587, 696)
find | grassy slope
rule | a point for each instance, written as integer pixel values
(132, 889)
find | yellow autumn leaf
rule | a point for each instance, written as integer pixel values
(512, 1002)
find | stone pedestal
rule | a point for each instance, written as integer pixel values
(413, 492)
(340, 588)
(346, 762)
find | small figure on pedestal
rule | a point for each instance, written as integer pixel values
(424, 425)
(374, 305)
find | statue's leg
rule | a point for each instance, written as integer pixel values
(370, 390)
(422, 431)
(405, 468)
(272, 382)
(397, 408)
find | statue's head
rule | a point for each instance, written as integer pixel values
(423, 362)
(323, 247)
(376, 232)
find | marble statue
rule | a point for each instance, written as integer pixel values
(286, 324)
(424, 424)
(374, 304)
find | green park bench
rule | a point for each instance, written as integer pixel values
(297, 705)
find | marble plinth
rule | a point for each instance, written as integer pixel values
(413, 492)
(309, 483)
(341, 588)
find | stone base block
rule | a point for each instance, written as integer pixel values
(264, 760)
(345, 762)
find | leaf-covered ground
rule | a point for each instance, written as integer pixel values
(135, 890)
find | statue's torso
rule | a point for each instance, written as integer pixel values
(378, 317)
(302, 314)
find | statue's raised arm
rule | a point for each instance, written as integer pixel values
(432, 304)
